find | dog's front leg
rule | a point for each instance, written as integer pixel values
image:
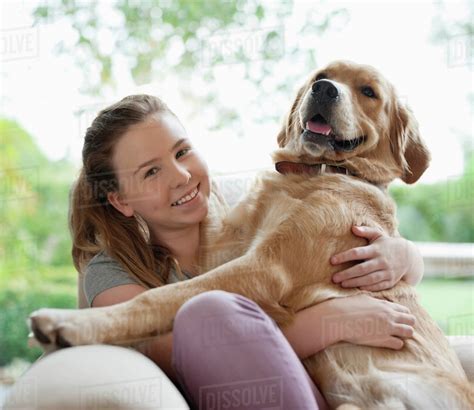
(153, 312)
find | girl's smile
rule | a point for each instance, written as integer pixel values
(187, 198)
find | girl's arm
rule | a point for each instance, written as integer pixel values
(359, 319)
(383, 262)
(158, 349)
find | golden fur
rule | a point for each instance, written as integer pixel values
(275, 248)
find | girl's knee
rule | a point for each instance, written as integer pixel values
(217, 317)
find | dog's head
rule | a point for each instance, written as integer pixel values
(348, 114)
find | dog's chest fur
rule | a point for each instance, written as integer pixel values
(318, 204)
(315, 207)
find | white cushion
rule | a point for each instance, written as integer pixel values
(95, 376)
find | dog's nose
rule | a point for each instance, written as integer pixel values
(324, 91)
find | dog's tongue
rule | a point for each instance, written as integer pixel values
(318, 127)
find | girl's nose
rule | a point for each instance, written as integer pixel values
(181, 176)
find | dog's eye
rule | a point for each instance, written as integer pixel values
(368, 91)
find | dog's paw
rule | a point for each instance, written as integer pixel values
(59, 328)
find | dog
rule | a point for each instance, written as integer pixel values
(346, 137)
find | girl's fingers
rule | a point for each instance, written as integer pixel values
(366, 280)
(367, 232)
(402, 330)
(393, 343)
(354, 254)
(406, 319)
(399, 308)
(385, 284)
(355, 271)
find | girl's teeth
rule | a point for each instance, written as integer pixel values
(187, 198)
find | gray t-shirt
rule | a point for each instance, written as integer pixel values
(104, 272)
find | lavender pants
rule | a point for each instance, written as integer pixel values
(229, 354)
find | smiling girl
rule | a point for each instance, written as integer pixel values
(136, 216)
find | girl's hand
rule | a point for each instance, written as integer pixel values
(365, 320)
(385, 261)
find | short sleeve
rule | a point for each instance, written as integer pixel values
(103, 273)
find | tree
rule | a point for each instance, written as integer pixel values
(158, 38)
(456, 32)
(33, 203)
(445, 25)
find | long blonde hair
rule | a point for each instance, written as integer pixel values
(95, 225)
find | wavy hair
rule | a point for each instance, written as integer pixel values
(95, 225)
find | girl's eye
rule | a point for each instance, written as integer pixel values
(149, 172)
(182, 152)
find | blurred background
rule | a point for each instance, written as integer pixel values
(229, 69)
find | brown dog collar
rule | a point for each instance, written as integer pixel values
(287, 167)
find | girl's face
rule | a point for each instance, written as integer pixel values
(161, 176)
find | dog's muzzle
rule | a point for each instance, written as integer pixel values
(317, 119)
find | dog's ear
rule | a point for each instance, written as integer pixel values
(291, 122)
(409, 149)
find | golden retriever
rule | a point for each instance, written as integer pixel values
(345, 139)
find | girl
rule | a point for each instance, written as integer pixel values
(135, 222)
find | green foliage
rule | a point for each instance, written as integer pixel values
(17, 149)
(24, 293)
(33, 203)
(142, 31)
(155, 40)
(447, 26)
(34, 238)
(440, 212)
